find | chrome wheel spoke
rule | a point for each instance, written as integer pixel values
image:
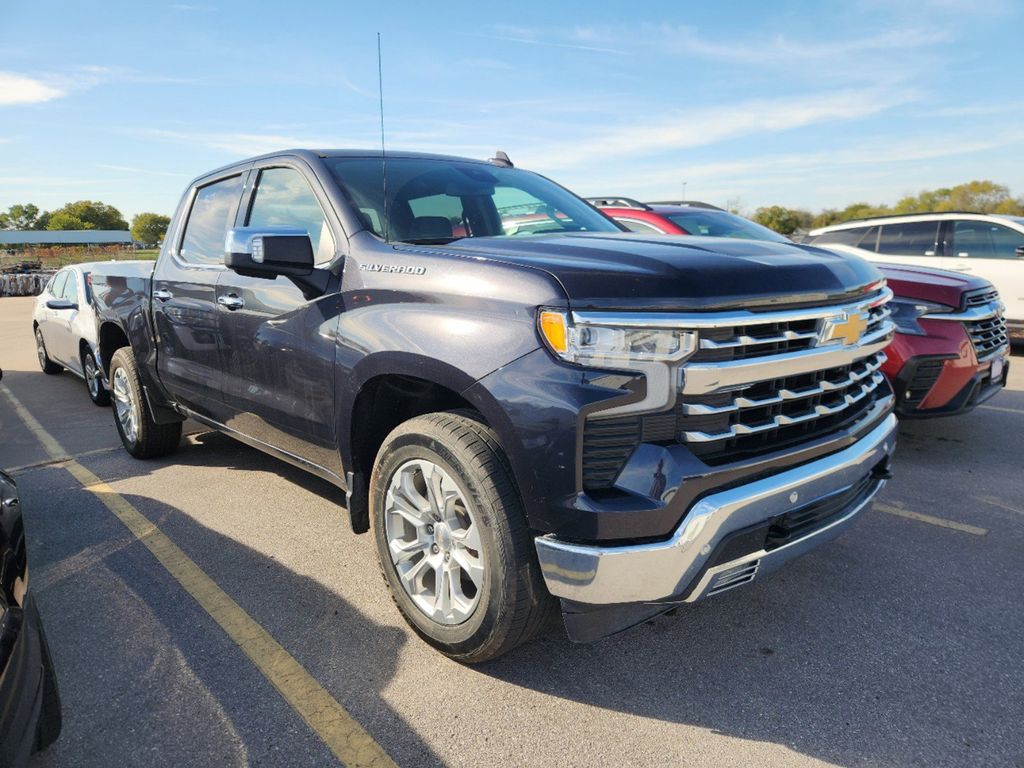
(433, 542)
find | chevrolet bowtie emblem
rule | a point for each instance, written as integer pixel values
(843, 328)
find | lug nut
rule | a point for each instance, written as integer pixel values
(434, 548)
(430, 530)
(447, 556)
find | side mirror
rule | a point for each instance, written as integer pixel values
(61, 304)
(269, 252)
(1020, 251)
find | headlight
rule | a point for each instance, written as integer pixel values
(609, 345)
(906, 313)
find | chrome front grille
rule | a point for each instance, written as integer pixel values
(765, 407)
(759, 382)
(758, 338)
(980, 298)
(987, 335)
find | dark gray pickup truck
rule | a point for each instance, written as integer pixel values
(529, 407)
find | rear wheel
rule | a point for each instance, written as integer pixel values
(141, 436)
(94, 379)
(452, 539)
(45, 362)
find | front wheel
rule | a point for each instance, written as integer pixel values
(141, 436)
(94, 380)
(452, 539)
(45, 362)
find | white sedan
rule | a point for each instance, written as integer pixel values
(64, 325)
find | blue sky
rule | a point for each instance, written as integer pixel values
(812, 104)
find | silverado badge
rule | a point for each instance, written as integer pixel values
(845, 328)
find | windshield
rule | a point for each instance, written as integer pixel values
(438, 201)
(723, 224)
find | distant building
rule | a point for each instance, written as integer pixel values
(9, 238)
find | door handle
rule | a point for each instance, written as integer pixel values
(231, 301)
(163, 295)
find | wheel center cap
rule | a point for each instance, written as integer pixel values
(442, 536)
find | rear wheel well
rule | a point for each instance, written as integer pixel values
(111, 339)
(382, 404)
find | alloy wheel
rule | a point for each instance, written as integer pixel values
(125, 406)
(434, 542)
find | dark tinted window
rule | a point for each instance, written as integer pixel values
(284, 199)
(723, 224)
(850, 236)
(911, 238)
(212, 212)
(639, 226)
(869, 242)
(981, 240)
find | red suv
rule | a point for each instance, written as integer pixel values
(951, 349)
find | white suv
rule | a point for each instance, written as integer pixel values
(988, 245)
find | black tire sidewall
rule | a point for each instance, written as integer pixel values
(457, 639)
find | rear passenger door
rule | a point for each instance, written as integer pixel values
(910, 242)
(185, 298)
(279, 346)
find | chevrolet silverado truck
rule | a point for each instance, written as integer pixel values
(564, 415)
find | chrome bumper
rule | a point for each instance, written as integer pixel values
(664, 571)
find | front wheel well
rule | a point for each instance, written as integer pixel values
(382, 404)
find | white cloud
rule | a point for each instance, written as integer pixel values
(19, 89)
(710, 125)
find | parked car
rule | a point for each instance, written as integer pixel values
(30, 715)
(990, 246)
(950, 351)
(65, 329)
(564, 410)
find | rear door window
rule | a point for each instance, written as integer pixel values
(982, 240)
(850, 236)
(911, 238)
(213, 210)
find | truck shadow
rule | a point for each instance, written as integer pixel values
(115, 687)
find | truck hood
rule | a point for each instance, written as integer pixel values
(927, 284)
(633, 272)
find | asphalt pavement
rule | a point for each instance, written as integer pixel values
(899, 644)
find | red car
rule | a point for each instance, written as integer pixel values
(951, 350)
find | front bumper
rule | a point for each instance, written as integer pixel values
(687, 566)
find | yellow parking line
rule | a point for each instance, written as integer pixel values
(939, 521)
(349, 742)
(57, 461)
(1018, 411)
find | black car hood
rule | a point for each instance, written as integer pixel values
(631, 271)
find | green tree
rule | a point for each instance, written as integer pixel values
(150, 227)
(783, 220)
(20, 217)
(91, 215)
(63, 220)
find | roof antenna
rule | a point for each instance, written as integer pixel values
(500, 158)
(383, 154)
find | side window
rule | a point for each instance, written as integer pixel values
(639, 226)
(849, 236)
(71, 287)
(57, 285)
(209, 220)
(981, 240)
(870, 240)
(912, 238)
(283, 199)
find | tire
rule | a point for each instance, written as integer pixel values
(141, 436)
(45, 362)
(492, 595)
(93, 380)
